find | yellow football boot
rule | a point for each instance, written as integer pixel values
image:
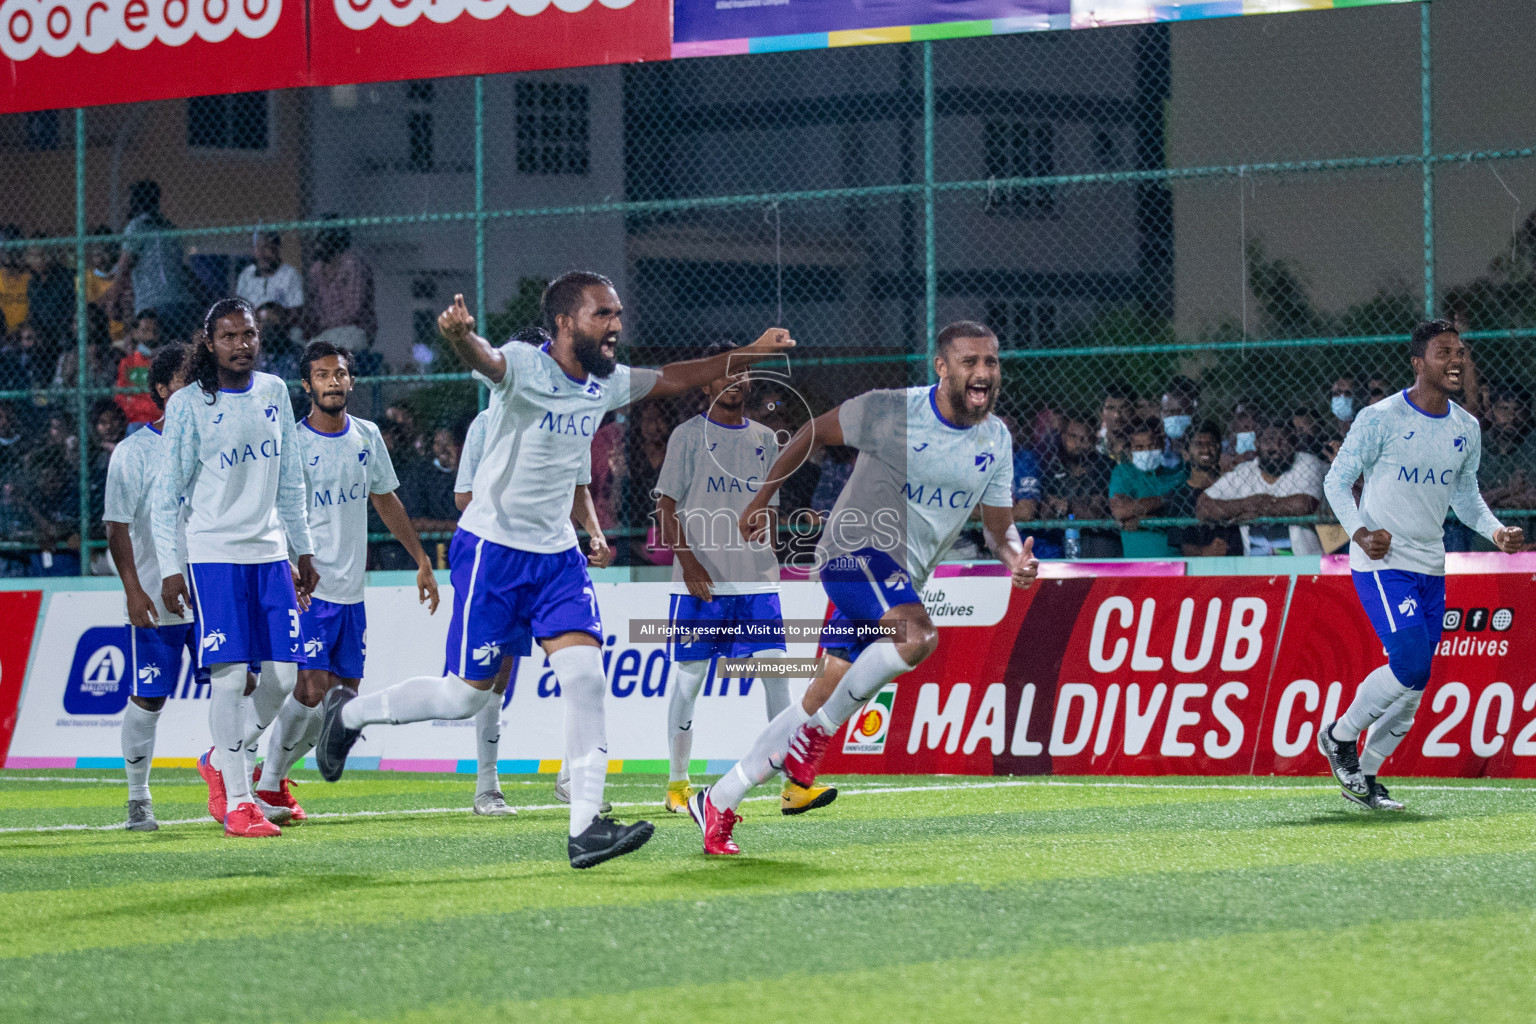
(678, 794)
(797, 799)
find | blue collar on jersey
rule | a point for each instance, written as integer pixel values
(322, 433)
(727, 426)
(933, 401)
(239, 391)
(152, 429)
(574, 380)
(1421, 412)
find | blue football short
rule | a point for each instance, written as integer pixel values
(246, 613)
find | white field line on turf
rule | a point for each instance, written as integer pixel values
(872, 791)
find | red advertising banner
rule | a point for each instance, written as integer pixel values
(76, 53)
(18, 610)
(1198, 676)
(380, 40)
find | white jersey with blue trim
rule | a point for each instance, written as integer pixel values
(233, 460)
(136, 462)
(538, 443)
(1416, 465)
(917, 479)
(712, 470)
(340, 471)
(474, 448)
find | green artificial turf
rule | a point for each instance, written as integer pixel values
(914, 899)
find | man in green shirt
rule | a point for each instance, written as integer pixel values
(1140, 488)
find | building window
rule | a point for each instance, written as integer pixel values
(1106, 150)
(229, 122)
(552, 128)
(42, 129)
(1021, 151)
(420, 146)
(1023, 324)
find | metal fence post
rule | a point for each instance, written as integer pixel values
(82, 431)
(1426, 151)
(930, 258)
(482, 395)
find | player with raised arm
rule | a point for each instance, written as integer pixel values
(725, 589)
(516, 565)
(1419, 453)
(927, 457)
(157, 637)
(230, 447)
(346, 466)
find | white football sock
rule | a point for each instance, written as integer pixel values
(1389, 732)
(580, 672)
(419, 699)
(764, 759)
(1377, 693)
(689, 678)
(276, 683)
(775, 688)
(138, 748)
(877, 665)
(487, 745)
(228, 693)
(287, 745)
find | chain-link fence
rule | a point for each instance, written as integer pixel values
(1224, 223)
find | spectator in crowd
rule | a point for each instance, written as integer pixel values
(1076, 484)
(429, 490)
(1307, 430)
(109, 426)
(836, 468)
(1204, 460)
(117, 303)
(22, 362)
(1279, 482)
(279, 355)
(154, 265)
(647, 449)
(1140, 487)
(1342, 403)
(1148, 407)
(1242, 440)
(50, 300)
(1115, 410)
(101, 355)
(1378, 387)
(1506, 472)
(608, 468)
(14, 278)
(11, 445)
(51, 500)
(15, 526)
(781, 410)
(133, 369)
(1181, 402)
(268, 280)
(340, 292)
(1028, 492)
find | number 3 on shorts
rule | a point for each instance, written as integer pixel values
(295, 616)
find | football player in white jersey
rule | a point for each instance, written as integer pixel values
(927, 457)
(157, 637)
(725, 589)
(229, 447)
(346, 466)
(516, 564)
(1419, 453)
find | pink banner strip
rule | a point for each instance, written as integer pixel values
(406, 764)
(711, 48)
(1457, 563)
(39, 762)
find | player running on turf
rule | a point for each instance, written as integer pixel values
(725, 591)
(489, 800)
(345, 467)
(1419, 454)
(927, 457)
(157, 637)
(516, 565)
(230, 448)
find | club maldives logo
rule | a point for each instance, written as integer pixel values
(868, 728)
(364, 14)
(57, 28)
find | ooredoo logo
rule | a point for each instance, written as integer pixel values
(98, 677)
(58, 27)
(362, 14)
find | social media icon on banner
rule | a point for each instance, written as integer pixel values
(98, 677)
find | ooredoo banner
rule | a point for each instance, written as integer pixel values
(74, 53)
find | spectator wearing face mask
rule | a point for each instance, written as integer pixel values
(1204, 461)
(1279, 482)
(1181, 402)
(1242, 440)
(1140, 487)
(1342, 403)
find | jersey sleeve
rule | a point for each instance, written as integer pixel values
(770, 444)
(126, 485)
(1360, 450)
(999, 490)
(677, 466)
(180, 462)
(291, 504)
(469, 458)
(629, 384)
(1119, 481)
(381, 468)
(874, 420)
(584, 477)
(1467, 500)
(520, 359)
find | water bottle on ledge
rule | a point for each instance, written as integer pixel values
(1073, 547)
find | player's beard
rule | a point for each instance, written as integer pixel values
(589, 353)
(963, 409)
(331, 405)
